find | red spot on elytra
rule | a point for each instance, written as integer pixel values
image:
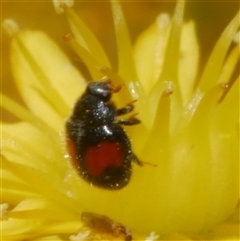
(106, 154)
(72, 152)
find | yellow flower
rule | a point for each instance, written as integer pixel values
(189, 130)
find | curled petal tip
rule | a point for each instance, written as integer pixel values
(61, 5)
(224, 86)
(168, 92)
(236, 38)
(163, 20)
(10, 26)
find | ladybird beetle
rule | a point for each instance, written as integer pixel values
(97, 143)
(104, 225)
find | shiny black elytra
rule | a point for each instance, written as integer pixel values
(97, 143)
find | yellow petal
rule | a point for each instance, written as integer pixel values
(17, 229)
(14, 189)
(47, 80)
(213, 68)
(149, 51)
(188, 63)
(226, 232)
(126, 67)
(86, 38)
(26, 144)
(40, 208)
(49, 238)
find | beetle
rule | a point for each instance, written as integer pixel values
(102, 224)
(98, 145)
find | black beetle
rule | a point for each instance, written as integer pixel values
(98, 145)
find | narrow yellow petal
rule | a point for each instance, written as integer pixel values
(49, 238)
(229, 65)
(149, 51)
(89, 60)
(188, 63)
(16, 229)
(158, 140)
(37, 62)
(86, 38)
(40, 208)
(62, 227)
(23, 114)
(49, 186)
(213, 68)
(171, 62)
(126, 65)
(15, 140)
(170, 66)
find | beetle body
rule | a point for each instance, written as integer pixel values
(102, 224)
(99, 146)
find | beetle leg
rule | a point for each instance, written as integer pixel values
(125, 110)
(141, 163)
(136, 160)
(129, 122)
(128, 108)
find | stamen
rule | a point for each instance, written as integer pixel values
(85, 38)
(90, 61)
(218, 55)
(11, 27)
(152, 237)
(58, 5)
(4, 211)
